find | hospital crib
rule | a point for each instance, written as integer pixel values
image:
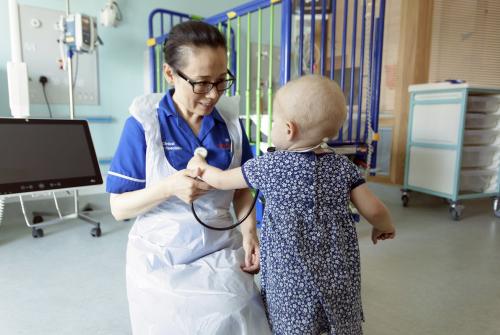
(273, 41)
(339, 39)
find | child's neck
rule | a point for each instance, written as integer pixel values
(308, 147)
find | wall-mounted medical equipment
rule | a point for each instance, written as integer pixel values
(79, 35)
(46, 56)
(80, 32)
(111, 14)
(17, 72)
(42, 155)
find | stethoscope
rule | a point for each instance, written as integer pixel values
(203, 153)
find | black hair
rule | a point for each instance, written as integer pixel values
(190, 34)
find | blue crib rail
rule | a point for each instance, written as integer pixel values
(363, 91)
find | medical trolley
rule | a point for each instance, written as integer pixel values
(453, 149)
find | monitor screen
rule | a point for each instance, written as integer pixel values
(45, 154)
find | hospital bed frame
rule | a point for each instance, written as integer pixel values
(363, 18)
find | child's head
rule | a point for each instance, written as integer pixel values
(306, 110)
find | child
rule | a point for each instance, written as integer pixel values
(310, 257)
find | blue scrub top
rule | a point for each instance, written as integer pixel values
(127, 170)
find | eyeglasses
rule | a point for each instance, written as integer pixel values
(203, 87)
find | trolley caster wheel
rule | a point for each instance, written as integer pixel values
(455, 214)
(496, 207)
(405, 199)
(37, 219)
(96, 232)
(37, 232)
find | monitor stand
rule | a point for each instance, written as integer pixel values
(38, 222)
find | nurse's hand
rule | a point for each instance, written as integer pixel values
(252, 254)
(186, 187)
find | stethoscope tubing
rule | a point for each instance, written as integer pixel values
(227, 227)
(203, 153)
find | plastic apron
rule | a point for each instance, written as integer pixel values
(181, 277)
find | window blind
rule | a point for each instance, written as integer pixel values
(466, 41)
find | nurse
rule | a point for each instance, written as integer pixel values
(181, 277)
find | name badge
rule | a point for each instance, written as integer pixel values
(171, 146)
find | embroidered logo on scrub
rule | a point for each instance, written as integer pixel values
(226, 145)
(171, 146)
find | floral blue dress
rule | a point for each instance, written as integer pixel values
(310, 266)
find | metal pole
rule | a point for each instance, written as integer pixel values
(361, 72)
(238, 54)
(323, 37)
(248, 74)
(312, 36)
(301, 38)
(332, 46)
(353, 67)
(344, 41)
(228, 45)
(70, 75)
(343, 60)
(71, 101)
(286, 40)
(370, 71)
(258, 91)
(270, 75)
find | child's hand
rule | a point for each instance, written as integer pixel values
(382, 235)
(252, 254)
(196, 162)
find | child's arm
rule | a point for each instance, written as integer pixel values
(217, 178)
(373, 210)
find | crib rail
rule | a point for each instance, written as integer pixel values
(273, 41)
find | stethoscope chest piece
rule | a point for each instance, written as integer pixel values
(203, 152)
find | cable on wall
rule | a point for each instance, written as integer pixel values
(43, 80)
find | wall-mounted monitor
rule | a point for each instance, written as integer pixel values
(46, 154)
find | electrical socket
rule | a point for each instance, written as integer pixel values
(43, 80)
